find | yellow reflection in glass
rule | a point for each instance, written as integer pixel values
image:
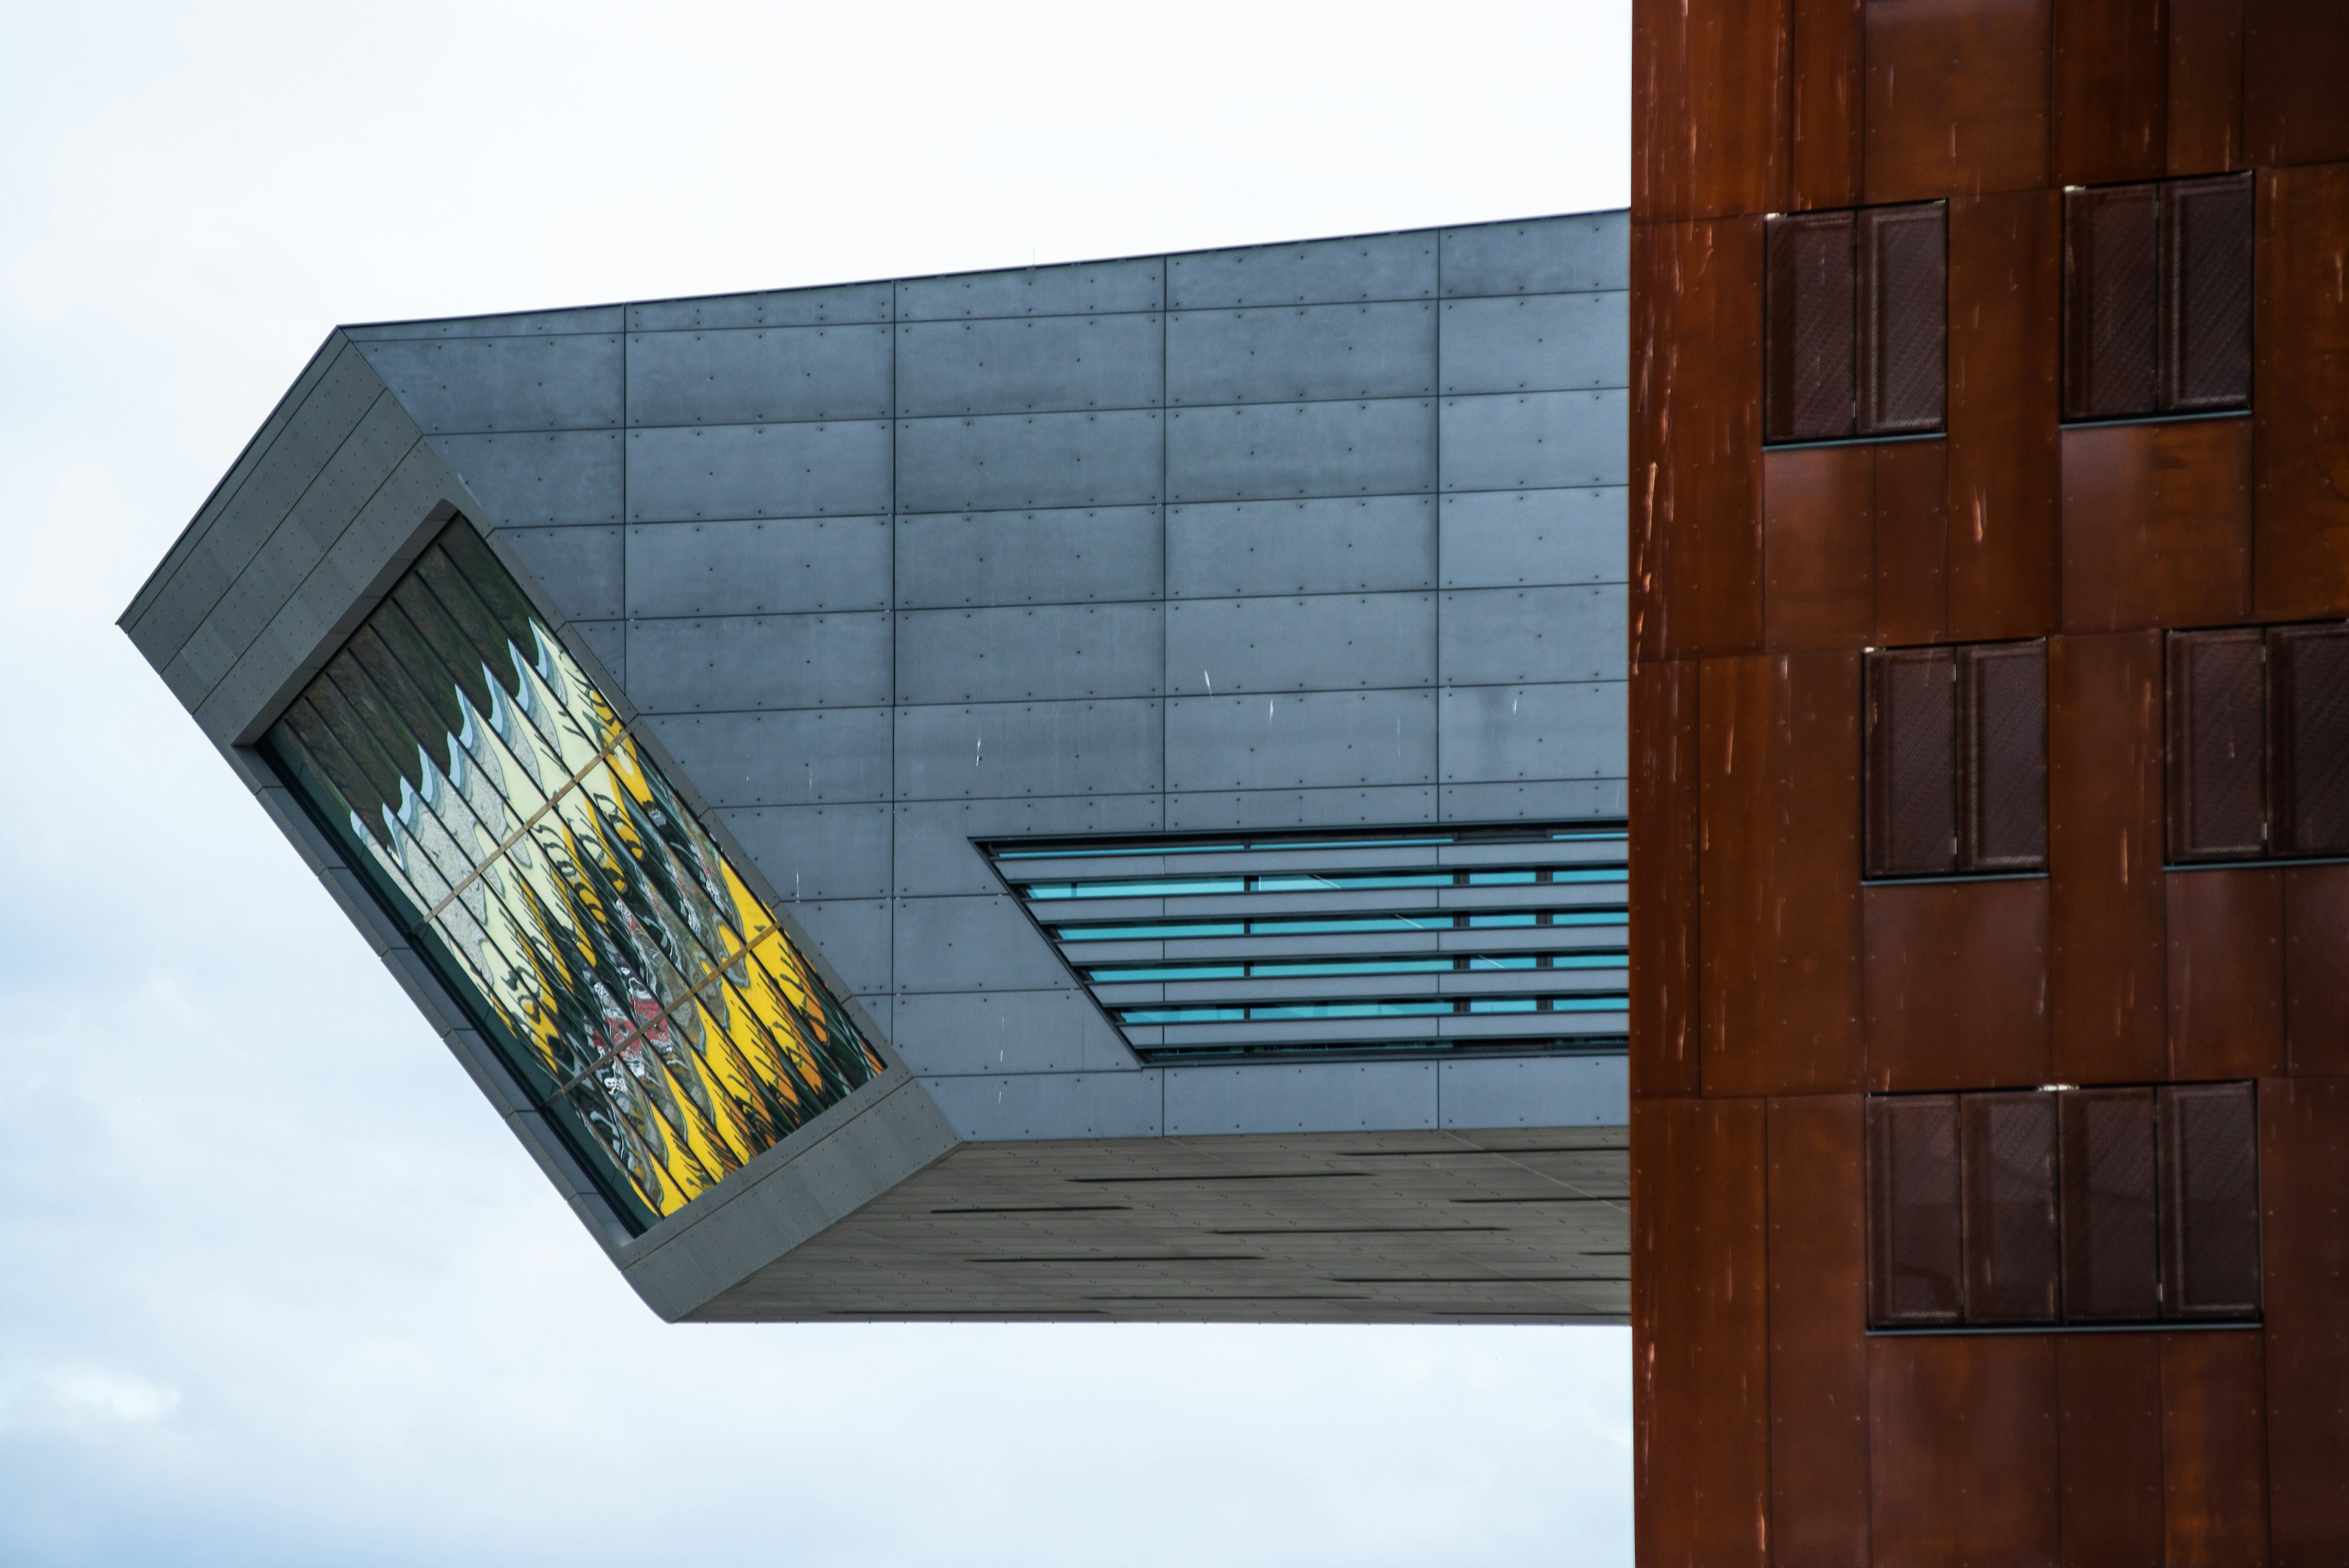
(618, 956)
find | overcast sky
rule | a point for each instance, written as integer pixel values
(274, 1286)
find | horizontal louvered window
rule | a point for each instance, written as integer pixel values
(1956, 763)
(1857, 331)
(2103, 1206)
(2259, 743)
(1445, 942)
(2157, 297)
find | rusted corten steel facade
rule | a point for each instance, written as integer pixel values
(1773, 987)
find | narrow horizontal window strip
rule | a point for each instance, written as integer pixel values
(1318, 882)
(1396, 1007)
(1358, 936)
(1284, 969)
(1310, 925)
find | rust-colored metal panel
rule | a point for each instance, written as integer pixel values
(1956, 984)
(1915, 1225)
(2300, 348)
(2108, 1024)
(2010, 1176)
(2308, 740)
(2226, 973)
(2112, 1258)
(1707, 109)
(2304, 1247)
(2003, 701)
(1663, 878)
(1913, 762)
(2218, 745)
(1700, 1333)
(1957, 98)
(2214, 1449)
(1818, 1349)
(2111, 60)
(2157, 525)
(2316, 970)
(1904, 314)
(2109, 1427)
(2206, 293)
(1696, 438)
(1963, 1457)
(2112, 301)
(1825, 166)
(2295, 57)
(2204, 87)
(1818, 586)
(2210, 1200)
(2005, 286)
(1808, 356)
(1778, 801)
(1911, 518)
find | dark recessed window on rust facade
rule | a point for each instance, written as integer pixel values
(2259, 743)
(1858, 323)
(2103, 1206)
(2157, 299)
(1956, 764)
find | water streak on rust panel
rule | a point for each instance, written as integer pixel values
(1663, 879)
(1708, 107)
(2005, 283)
(1957, 98)
(1696, 438)
(1823, 167)
(2109, 1021)
(2204, 87)
(1700, 1333)
(2300, 343)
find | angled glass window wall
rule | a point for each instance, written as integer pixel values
(597, 935)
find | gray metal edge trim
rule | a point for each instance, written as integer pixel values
(280, 414)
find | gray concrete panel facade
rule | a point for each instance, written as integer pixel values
(1329, 534)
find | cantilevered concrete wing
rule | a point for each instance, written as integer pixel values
(1095, 791)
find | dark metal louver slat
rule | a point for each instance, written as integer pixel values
(2010, 1158)
(1916, 1275)
(2207, 293)
(2111, 302)
(2309, 763)
(1903, 309)
(1808, 268)
(2111, 1268)
(2209, 1201)
(2004, 688)
(2216, 746)
(1912, 739)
